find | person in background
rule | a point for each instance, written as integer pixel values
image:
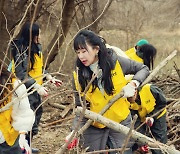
(27, 65)
(94, 58)
(136, 47)
(147, 53)
(143, 52)
(16, 116)
(149, 101)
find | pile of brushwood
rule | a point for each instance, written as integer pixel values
(170, 85)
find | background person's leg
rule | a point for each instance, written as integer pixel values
(159, 131)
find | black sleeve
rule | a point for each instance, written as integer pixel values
(160, 100)
(21, 69)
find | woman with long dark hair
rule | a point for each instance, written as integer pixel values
(143, 52)
(16, 116)
(147, 52)
(94, 58)
(28, 66)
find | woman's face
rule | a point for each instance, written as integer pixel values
(37, 38)
(88, 56)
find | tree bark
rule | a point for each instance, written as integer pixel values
(1, 15)
(57, 41)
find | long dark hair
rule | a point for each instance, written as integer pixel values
(5, 81)
(105, 61)
(148, 52)
(23, 42)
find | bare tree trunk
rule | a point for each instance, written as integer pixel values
(38, 10)
(57, 41)
(94, 27)
(1, 15)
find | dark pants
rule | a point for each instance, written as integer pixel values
(97, 139)
(35, 101)
(158, 130)
(14, 149)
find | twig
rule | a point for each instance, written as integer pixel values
(177, 69)
(129, 134)
(104, 151)
(59, 106)
(66, 110)
(57, 121)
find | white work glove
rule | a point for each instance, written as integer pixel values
(129, 90)
(41, 90)
(73, 143)
(23, 143)
(53, 80)
(149, 121)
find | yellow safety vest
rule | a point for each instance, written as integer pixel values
(36, 72)
(148, 103)
(9, 133)
(120, 109)
(131, 53)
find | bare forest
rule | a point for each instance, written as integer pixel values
(122, 23)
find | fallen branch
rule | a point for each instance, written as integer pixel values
(66, 110)
(59, 106)
(123, 129)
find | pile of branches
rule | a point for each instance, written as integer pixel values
(173, 119)
(170, 85)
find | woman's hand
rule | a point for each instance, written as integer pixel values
(149, 121)
(73, 143)
(23, 143)
(129, 90)
(41, 90)
(53, 80)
